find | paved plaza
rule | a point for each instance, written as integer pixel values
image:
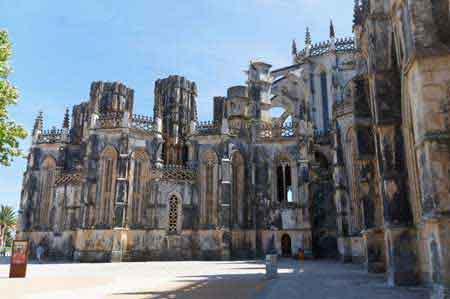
(194, 279)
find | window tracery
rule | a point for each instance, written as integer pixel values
(47, 182)
(173, 214)
(284, 181)
(209, 176)
(140, 179)
(107, 174)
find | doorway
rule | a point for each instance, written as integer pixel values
(286, 249)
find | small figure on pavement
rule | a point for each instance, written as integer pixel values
(39, 252)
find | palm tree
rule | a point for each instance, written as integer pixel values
(7, 222)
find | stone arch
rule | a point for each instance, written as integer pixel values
(48, 173)
(209, 175)
(238, 205)
(48, 162)
(107, 179)
(348, 93)
(284, 102)
(140, 178)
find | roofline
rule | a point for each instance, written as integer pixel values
(286, 68)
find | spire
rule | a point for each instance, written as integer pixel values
(294, 48)
(332, 31)
(66, 122)
(308, 40)
(39, 121)
(38, 124)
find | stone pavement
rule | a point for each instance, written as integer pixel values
(194, 279)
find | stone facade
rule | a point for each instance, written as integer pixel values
(392, 128)
(113, 186)
(344, 153)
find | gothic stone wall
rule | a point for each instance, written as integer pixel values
(145, 245)
(58, 245)
(428, 86)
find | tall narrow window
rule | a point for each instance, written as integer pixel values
(48, 173)
(164, 152)
(185, 156)
(136, 192)
(284, 182)
(238, 184)
(173, 214)
(288, 184)
(280, 182)
(209, 192)
(140, 178)
(324, 89)
(107, 174)
(209, 174)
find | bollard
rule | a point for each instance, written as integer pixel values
(271, 266)
(301, 254)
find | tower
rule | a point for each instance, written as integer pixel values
(111, 97)
(259, 84)
(175, 111)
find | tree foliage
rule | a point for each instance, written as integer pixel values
(7, 223)
(10, 132)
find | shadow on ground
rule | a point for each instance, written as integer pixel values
(312, 279)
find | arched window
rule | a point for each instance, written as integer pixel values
(209, 176)
(107, 175)
(140, 179)
(238, 187)
(284, 181)
(173, 214)
(47, 179)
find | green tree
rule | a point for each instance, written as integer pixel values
(7, 223)
(10, 132)
(9, 238)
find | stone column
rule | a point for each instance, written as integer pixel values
(340, 199)
(225, 208)
(439, 260)
(373, 233)
(400, 240)
(375, 250)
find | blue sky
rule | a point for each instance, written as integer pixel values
(60, 47)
